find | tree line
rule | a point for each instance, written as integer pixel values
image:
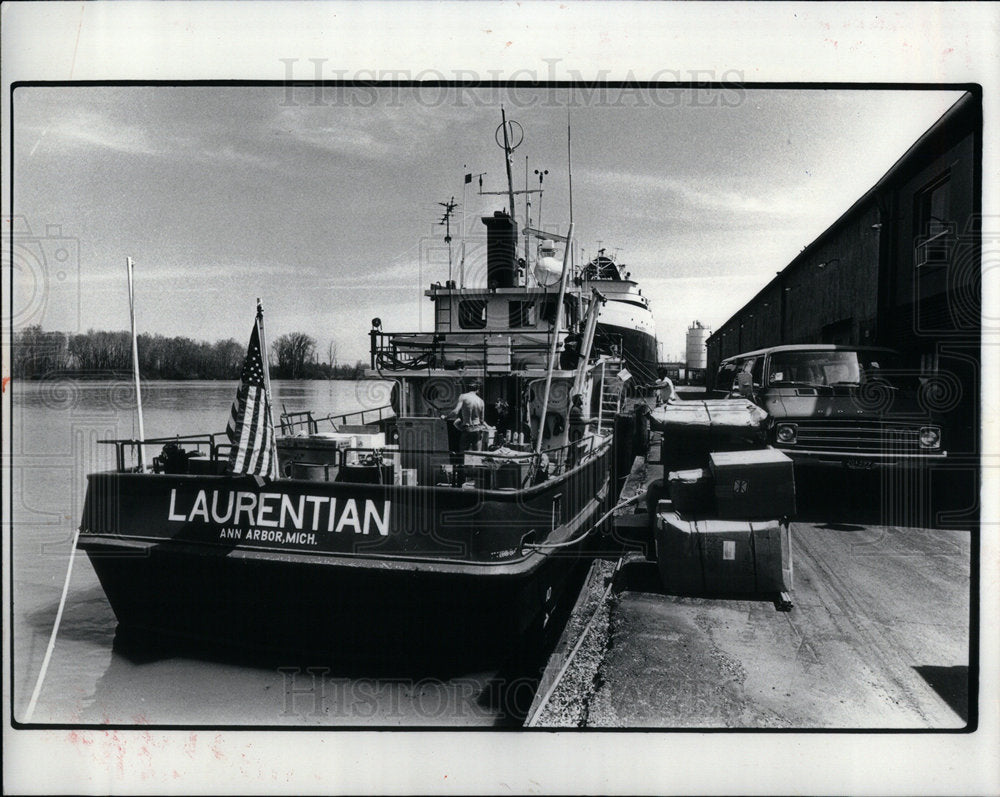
(36, 353)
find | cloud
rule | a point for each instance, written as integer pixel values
(89, 128)
(227, 154)
(181, 275)
(392, 128)
(696, 194)
(72, 124)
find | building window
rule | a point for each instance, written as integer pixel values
(933, 226)
(472, 314)
(521, 314)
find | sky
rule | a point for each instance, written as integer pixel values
(325, 203)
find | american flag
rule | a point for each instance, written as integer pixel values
(250, 429)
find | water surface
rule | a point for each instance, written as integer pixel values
(94, 678)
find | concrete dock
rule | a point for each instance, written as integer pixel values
(877, 638)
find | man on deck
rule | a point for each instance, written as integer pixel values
(469, 418)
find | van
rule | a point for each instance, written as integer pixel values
(828, 404)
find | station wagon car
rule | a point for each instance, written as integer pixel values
(837, 405)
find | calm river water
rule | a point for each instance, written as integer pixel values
(93, 679)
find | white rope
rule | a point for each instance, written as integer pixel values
(583, 536)
(579, 642)
(55, 630)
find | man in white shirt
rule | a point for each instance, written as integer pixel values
(666, 393)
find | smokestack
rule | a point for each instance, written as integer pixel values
(501, 250)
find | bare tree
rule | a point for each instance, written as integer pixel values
(294, 351)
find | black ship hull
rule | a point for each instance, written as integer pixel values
(638, 349)
(391, 568)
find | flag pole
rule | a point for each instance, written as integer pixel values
(135, 363)
(267, 381)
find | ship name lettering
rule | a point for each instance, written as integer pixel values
(272, 535)
(274, 510)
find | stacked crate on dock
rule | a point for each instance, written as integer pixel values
(725, 529)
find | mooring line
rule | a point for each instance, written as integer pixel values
(583, 536)
(55, 630)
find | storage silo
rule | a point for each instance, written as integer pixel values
(697, 353)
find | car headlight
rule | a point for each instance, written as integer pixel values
(786, 433)
(930, 437)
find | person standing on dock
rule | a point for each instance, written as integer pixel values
(469, 418)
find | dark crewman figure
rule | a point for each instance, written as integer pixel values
(578, 422)
(569, 357)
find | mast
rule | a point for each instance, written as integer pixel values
(541, 178)
(461, 261)
(527, 217)
(507, 151)
(569, 159)
(135, 363)
(555, 339)
(449, 208)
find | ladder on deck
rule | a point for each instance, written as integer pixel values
(442, 314)
(611, 396)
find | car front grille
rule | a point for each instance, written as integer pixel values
(859, 437)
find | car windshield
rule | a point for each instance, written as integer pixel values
(819, 368)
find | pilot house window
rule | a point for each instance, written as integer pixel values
(522, 314)
(472, 314)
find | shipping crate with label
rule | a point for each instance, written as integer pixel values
(678, 555)
(706, 556)
(753, 484)
(727, 560)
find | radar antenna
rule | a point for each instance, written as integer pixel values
(449, 208)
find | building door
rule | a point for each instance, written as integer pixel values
(839, 332)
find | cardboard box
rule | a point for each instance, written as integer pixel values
(691, 491)
(699, 556)
(753, 484)
(727, 558)
(693, 429)
(678, 555)
(772, 546)
(408, 476)
(479, 475)
(512, 475)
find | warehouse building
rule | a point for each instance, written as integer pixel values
(900, 268)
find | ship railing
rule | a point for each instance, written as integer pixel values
(572, 454)
(381, 464)
(294, 422)
(611, 342)
(203, 445)
(496, 350)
